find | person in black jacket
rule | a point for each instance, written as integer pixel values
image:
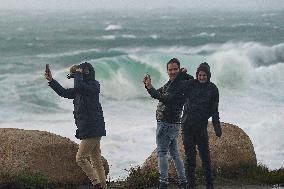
(168, 115)
(201, 104)
(89, 120)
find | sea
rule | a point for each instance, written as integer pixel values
(245, 50)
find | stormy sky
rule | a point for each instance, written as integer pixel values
(142, 4)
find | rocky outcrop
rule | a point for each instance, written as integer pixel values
(40, 152)
(233, 148)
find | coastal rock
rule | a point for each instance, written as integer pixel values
(233, 148)
(40, 152)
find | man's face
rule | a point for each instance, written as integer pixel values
(173, 70)
(202, 77)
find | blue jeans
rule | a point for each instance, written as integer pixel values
(166, 139)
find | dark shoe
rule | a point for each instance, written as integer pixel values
(182, 185)
(162, 186)
(98, 186)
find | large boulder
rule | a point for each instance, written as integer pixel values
(40, 152)
(232, 149)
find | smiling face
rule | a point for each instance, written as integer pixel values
(202, 77)
(172, 70)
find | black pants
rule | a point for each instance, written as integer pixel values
(195, 134)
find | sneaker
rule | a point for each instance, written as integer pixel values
(162, 186)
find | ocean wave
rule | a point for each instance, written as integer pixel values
(268, 15)
(107, 37)
(20, 29)
(167, 17)
(70, 53)
(204, 34)
(154, 36)
(212, 26)
(125, 72)
(242, 24)
(250, 64)
(113, 27)
(128, 36)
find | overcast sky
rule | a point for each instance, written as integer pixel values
(143, 4)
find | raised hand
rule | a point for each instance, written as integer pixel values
(147, 81)
(48, 76)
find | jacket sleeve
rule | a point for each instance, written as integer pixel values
(164, 97)
(184, 79)
(215, 112)
(83, 87)
(183, 76)
(66, 93)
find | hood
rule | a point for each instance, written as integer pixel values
(91, 75)
(206, 68)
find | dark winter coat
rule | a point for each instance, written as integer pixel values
(171, 101)
(87, 112)
(202, 101)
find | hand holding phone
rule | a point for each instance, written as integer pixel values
(147, 81)
(47, 74)
(47, 70)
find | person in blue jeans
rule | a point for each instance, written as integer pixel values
(168, 115)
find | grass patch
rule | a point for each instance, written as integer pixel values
(25, 180)
(249, 174)
(139, 178)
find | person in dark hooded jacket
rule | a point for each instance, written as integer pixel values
(201, 104)
(89, 120)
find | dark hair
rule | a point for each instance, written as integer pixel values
(173, 60)
(204, 67)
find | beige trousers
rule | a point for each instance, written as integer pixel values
(89, 159)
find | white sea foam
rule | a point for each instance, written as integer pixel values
(113, 27)
(204, 34)
(154, 36)
(107, 37)
(242, 24)
(268, 15)
(212, 26)
(128, 36)
(20, 29)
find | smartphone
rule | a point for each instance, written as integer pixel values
(47, 70)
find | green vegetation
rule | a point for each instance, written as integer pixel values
(138, 178)
(234, 175)
(24, 180)
(249, 174)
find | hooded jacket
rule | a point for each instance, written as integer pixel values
(202, 100)
(87, 112)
